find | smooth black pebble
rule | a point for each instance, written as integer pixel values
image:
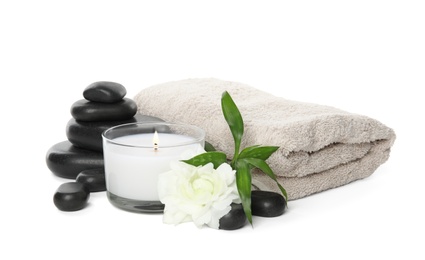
(267, 203)
(105, 92)
(93, 179)
(88, 135)
(235, 219)
(85, 110)
(71, 196)
(67, 161)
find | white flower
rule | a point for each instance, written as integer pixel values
(199, 194)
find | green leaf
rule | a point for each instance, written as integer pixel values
(259, 152)
(264, 167)
(217, 158)
(234, 120)
(243, 182)
(209, 147)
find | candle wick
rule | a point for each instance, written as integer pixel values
(155, 141)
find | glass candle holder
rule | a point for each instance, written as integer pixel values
(135, 154)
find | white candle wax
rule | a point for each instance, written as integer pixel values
(132, 172)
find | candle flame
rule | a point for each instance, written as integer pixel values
(155, 140)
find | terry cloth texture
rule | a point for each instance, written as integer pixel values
(321, 147)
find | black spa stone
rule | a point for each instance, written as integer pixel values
(71, 196)
(235, 219)
(88, 135)
(93, 179)
(105, 92)
(67, 161)
(267, 203)
(85, 110)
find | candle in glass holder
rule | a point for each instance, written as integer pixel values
(135, 154)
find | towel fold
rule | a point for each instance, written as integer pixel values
(321, 147)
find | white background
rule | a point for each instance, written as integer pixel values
(366, 57)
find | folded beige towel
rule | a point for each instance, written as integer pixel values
(321, 147)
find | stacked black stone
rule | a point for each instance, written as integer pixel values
(81, 156)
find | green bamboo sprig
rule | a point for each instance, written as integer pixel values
(242, 162)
